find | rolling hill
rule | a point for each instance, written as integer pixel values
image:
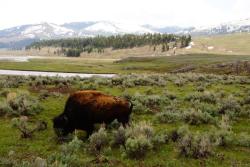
(20, 36)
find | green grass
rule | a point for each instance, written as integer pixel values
(43, 143)
(202, 63)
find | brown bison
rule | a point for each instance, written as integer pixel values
(85, 108)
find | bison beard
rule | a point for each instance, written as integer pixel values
(85, 108)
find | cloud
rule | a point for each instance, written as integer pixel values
(156, 12)
(241, 9)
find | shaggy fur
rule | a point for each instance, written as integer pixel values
(85, 108)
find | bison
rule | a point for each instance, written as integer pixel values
(83, 109)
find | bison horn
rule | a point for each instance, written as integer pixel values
(65, 118)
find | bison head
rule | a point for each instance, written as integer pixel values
(61, 125)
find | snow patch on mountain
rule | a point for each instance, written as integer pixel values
(58, 30)
(102, 27)
(106, 28)
(46, 30)
(26, 34)
(224, 28)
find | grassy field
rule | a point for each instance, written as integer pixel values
(181, 94)
(195, 117)
(200, 63)
(230, 44)
(226, 50)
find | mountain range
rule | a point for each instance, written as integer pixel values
(20, 36)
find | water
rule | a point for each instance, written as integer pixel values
(53, 74)
(17, 58)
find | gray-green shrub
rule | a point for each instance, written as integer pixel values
(168, 116)
(137, 147)
(195, 145)
(223, 136)
(159, 139)
(207, 97)
(196, 117)
(24, 104)
(68, 155)
(140, 139)
(5, 108)
(119, 137)
(98, 140)
(243, 139)
(141, 128)
(230, 106)
(22, 125)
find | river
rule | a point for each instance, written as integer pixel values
(53, 74)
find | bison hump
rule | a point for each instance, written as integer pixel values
(97, 100)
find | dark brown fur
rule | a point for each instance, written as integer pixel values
(85, 108)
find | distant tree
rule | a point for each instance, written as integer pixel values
(163, 48)
(99, 43)
(167, 47)
(73, 53)
(189, 38)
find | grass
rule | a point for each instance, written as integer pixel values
(201, 62)
(43, 143)
(227, 49)
(231, 44)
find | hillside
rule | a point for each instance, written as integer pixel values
(23, 35)
(236, 26)
(232, 43)
(9, 37)
(75, 46)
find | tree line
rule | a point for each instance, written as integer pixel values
(74, 46)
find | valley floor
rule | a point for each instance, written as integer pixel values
(160, 95)
(195, 105)
(201, 63)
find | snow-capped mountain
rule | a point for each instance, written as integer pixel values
(168, 29)
(47, 30)
(30, 33)
(18, 37)
(35, 31)
(111, 28)
(224, 28)
(77, 26)
(24, 35)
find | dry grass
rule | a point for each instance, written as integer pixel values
(233, 44)
(237, 44)
(145, 51)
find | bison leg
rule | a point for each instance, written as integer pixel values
(124, 121)
(89, 130)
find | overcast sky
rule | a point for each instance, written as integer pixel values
(155, 12)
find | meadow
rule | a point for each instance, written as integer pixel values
(201, 63)
(185, 119)
(191, 107)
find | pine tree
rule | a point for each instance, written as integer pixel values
(154, 48)
(167, 47)
(163, 48)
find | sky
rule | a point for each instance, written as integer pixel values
(155, 12)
